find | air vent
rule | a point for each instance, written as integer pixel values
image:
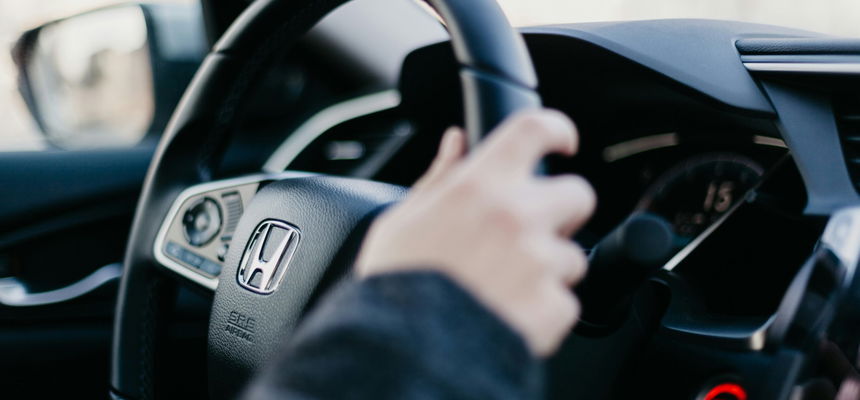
(847, 109)
(358, 149)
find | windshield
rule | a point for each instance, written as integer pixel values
(836, 17)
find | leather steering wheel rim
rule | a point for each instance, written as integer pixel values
(497, 77)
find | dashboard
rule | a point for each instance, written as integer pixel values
(730, 132)
(648, 144)
(698, 122)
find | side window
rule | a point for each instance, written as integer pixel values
(65, 84)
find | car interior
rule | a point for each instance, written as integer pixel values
(725, 156)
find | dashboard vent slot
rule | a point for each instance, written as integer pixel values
(847, 110)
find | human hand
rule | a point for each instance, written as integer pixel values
(489, 223)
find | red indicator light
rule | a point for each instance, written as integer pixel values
(726, 391)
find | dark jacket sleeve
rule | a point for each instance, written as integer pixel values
(414, 335)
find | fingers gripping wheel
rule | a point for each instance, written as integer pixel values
(498, 79)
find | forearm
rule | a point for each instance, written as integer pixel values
(400, 336)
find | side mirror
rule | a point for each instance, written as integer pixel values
(112, 76)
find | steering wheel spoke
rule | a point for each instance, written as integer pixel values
(194, 238)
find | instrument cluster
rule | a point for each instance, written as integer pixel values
(690, 180)
(734, 203)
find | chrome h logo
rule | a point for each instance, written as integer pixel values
(267, 255)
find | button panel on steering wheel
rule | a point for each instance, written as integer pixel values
(195, 236)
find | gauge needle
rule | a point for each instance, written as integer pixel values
(681, 255)
(748, 196)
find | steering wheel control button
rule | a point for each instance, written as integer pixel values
(191, 259)
(723, 391)
(233, 205)
(202, 222)
(211, 268)
(267, 255)
(222, 251)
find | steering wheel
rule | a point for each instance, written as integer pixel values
(289, 235)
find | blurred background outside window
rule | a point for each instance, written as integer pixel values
(107, 85)
(19, 132)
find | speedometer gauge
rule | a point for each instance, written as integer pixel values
(696, 193)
